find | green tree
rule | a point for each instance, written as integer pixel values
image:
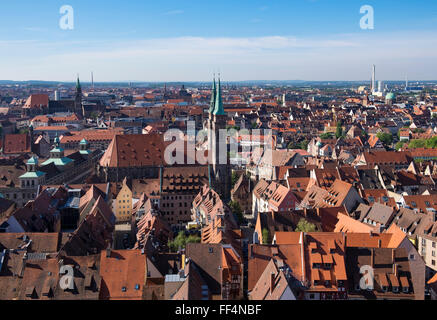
(181, 241)
(193, 239)
(94, 115)
(305, 226)
(304, 144)
(385, 138)
(431, 143)
(423, 143)
(399, 145)
(292, 145)
(24, 131)
(236, 209)
(234, 178)
(326, 135)
(415, 144)
(266, 237)
(339, 130)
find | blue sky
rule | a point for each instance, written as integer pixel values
(135, 40)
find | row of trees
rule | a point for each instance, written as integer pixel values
(423, 143)
(299, 145)
(181, 241)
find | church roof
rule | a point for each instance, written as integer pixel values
(219, 109)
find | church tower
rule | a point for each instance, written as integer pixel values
(78, 99)
(218, 150)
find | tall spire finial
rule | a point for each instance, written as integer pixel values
(218, 109)
(78, 83)
(213, 96)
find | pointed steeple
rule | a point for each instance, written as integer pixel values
(213, 96)
(78, 86)
(218, 109)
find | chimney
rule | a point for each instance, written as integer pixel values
(372, 257)
(393, 256)
(272, 282)
(379, 243)
(183, 261)
(395, 270)
(23, 264)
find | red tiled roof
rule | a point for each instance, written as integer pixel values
(17, 143)
(123, 275)
(37, 100)
(134, 150)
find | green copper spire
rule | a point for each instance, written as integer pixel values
(78, 87)
(213, 94)
(219, 110)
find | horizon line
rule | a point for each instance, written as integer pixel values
(210, 81)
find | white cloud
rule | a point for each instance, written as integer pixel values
(173, 12)
(338, 57)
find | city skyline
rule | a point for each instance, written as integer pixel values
(279, 40)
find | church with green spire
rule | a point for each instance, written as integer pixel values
(78, 109)
(220, 170)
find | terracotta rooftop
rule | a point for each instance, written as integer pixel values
(16, 143)
(123, 275)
